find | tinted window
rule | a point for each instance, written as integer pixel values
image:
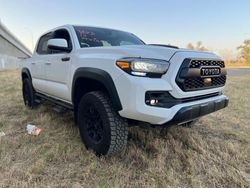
(42, 44)
(42, 47)
(93, 37)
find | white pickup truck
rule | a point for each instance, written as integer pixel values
(109, 78)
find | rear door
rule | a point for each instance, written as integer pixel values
(39, 59)
(58, 71)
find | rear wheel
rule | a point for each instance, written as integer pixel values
(28, 94)
(102, 129)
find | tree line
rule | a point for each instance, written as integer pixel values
(244, 51)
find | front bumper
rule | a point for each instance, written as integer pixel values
(188, 113)
(132, 92)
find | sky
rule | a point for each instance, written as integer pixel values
(222, 25)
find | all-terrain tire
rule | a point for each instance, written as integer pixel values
(28, 94)
(101, 128)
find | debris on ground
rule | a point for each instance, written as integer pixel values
(33, 130)
(2, 134)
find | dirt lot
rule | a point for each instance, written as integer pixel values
(213, 153)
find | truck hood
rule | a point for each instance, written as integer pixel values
(144, 51)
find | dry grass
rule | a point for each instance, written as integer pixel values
(213, 153)
(238, 64)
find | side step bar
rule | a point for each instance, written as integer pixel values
(55, 101)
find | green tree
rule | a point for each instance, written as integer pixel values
(245, 51)
(199, 46)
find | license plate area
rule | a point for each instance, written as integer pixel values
(207, 71)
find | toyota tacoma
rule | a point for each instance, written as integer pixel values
(109, 78)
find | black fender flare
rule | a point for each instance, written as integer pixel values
(101, 76)
(27, 72)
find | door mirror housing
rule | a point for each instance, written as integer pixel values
(58, 44)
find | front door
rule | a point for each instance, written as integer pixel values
(57, 70)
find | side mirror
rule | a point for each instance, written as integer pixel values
(58, 44)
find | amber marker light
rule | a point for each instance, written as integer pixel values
(123, 65)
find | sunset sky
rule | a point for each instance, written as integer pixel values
(220, 25)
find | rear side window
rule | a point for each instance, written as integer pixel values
(42, 44)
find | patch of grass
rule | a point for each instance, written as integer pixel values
(213, 153)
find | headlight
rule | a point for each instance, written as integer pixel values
(143, 67)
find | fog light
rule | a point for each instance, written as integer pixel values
(153, 101)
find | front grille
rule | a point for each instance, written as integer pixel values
(198, 83)
(189, 76)
(199, 63)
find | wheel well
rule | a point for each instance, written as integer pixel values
(88, 79)
(24, 76)
(85, 85)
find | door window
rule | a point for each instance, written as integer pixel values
(42, 47)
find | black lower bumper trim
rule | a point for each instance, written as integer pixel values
(190, 113)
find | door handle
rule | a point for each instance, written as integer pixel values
(65, 59)
(47, 63)
(33, 63)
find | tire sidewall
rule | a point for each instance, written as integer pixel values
(103, 146)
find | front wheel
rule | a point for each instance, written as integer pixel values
(101, 128)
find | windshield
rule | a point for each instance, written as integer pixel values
(94, 37)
